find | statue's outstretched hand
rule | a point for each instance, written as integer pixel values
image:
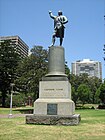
(50, 12)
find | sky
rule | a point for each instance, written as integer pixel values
(84, 32)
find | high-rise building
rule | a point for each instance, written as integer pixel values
(92, 68)
(21, 47)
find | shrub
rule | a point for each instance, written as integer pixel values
(17, 100)
(101, 106)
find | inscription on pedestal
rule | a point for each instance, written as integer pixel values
(61, 89)
(54, 89)
(51, 109)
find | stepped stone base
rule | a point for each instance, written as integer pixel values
(54, 107)
(53, 120)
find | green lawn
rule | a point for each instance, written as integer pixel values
(91, 127)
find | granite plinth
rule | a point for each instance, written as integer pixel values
(53, 120)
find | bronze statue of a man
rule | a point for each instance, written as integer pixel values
(59, 22)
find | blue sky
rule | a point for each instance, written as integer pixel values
(84, 34)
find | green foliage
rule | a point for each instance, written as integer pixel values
(67, 70)
(74, 94)
(93, 84)
(31, 70)
(97, 97)
(102, 92)
(83, 93)
(17, 100)
(9, 59)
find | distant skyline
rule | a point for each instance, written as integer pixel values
(84, 34)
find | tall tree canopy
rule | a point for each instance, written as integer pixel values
(31, 70)
(9, 59)
(93, 85)
(102, 92)
(83, 93)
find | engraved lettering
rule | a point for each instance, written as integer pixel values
(59, 89)
(48, 89)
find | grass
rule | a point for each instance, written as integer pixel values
(91, 127)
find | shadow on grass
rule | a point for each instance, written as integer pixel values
(84, 107)
(24, 111)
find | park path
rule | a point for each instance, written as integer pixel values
(12, 116)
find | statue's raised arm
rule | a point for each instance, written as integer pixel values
(59, 22)
(51, 15)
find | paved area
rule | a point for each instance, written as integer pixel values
(12, 116)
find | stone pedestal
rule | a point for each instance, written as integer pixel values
(54, 99)
(54, 105)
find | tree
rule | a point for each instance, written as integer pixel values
(83, 93)
(9, 59)
(94, 83)
(74, 95)
(31, 70)
(67, 70)
(97, 94)
(102, 92)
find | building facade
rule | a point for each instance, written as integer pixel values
(92, 68)
(21, 47)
